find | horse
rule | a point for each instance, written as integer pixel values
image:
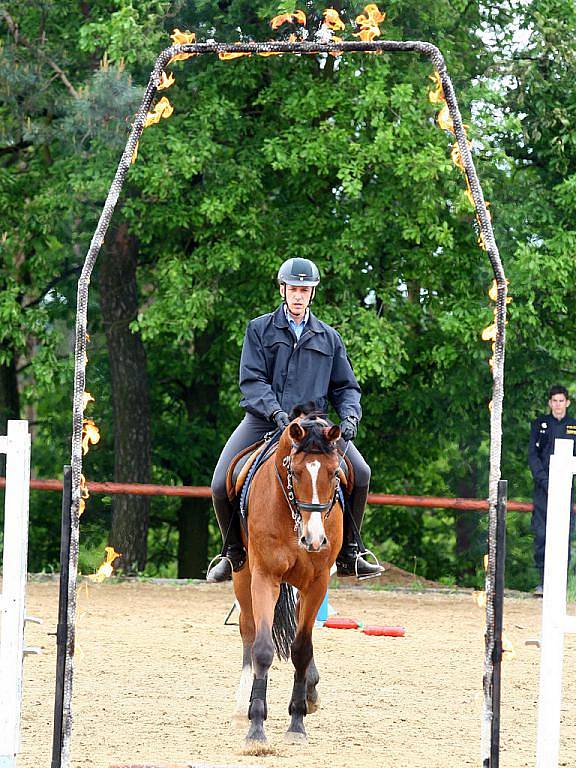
(295, 528)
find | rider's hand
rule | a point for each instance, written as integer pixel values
(349, 428)
(281, 418)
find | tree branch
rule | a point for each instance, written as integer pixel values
(19, 39)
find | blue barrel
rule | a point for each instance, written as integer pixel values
(323, 610)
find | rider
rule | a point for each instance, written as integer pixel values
(289, 358)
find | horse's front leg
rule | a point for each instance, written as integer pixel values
(264, 596)
(247, 632)
(305, 672)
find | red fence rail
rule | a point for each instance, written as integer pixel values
(203, 492)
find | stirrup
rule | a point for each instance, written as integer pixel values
(368, 575)
(218, 557)
(235, 566)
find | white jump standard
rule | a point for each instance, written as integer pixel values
(16, 446)
(555, 622)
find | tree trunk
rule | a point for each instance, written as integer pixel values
(130, 399)
(9, 401)
(193, 517)
(200, 400)
(466, 526)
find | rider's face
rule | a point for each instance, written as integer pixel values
(558, 405)
(297, 298)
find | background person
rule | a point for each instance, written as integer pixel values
(544, 431)
(289, 358)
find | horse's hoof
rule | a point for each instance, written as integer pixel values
(295, 737)
(256, 747)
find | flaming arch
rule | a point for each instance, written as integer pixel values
(450, 119)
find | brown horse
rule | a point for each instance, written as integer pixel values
(294, 536)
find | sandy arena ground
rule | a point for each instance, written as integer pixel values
(157, 669)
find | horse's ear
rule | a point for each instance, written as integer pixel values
(296, 432)
(332, 433)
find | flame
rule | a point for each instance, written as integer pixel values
(444, 120)
(298, 17)
(90, 435)
(508, 651)
(456, 156)
(485, 562)
(106, 569)
(373, 15)
(181, 57)
(437, 95)
(493, 291)
(369, 23)
(87, 398)
(135, 154)
(162, 109)
(165, 81)
(84, 494)
(489, 333)
(332, 19)
(481, 241)
(229, 56)
(181, 38)
(479, 598)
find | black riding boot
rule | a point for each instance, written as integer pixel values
(233, 552)
(349, 562)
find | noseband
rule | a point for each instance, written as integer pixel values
(296, 506)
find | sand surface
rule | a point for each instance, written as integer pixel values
(156, 673)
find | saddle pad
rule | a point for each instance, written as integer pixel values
(239, 468)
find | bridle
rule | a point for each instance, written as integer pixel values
(294, 504)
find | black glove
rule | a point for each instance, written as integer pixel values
(349, 428)
(281, 418)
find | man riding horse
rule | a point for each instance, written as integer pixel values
(290, 357)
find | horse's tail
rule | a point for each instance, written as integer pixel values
(284, 626)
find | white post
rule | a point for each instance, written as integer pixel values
(555, 623)
(16, 446)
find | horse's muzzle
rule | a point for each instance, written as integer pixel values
(310, 545)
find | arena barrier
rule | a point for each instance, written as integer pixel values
(16, 446)
(555, 622)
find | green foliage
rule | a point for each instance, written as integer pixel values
(338, 160)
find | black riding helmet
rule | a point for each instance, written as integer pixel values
(299, 272)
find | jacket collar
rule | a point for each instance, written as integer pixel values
(280, 321)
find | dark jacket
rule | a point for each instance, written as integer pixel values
(543, 433)
(277, 371)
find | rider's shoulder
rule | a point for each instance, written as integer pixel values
(319, 325)
(261, 320)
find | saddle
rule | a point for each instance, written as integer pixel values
(241, 464)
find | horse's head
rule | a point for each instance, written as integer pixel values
(313, 477)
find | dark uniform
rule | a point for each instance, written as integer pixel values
(544, 431)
